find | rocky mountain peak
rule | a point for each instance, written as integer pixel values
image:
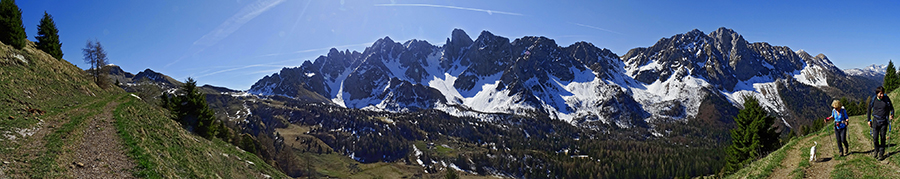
(727, 39)
(722, 32)
(803, 54)
(488, 40)
(459, 38)
(818, 60)
(453, 49)
(116, 70)
(156, 77)
(383, 41)
(695, 32)
(821, 56)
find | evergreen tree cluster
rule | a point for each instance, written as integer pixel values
(753, 137)
(891, 79)
(12, 32)
(856, 107)
(533, 155)
(48, 37)
(191, 110)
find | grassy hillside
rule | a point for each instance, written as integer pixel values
(162, 148)
(56, 123)
(792, 160)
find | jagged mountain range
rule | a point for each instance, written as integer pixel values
(871, 71)
(524, 95)
(580, 83)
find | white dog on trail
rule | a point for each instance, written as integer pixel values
(812, 152)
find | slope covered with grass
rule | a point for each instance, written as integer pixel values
(53, 118)
(163, 149)
(792, 160)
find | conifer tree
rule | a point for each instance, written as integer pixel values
(48, 37)
(891, 79)
(12, 32)
(191, 110)
(753, 136)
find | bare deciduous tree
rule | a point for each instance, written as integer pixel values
(95, 55)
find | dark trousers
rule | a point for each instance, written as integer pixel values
(880, 128)
(841, 135)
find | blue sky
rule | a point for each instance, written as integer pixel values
(234, 43)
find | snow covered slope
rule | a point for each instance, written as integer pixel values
(534, 76)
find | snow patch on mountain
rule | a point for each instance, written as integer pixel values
(660, 97)
(397, 70)
(765, 92)
(586, 93)
(445, 86)
(337, 87)
(491, 100)
(812, 75)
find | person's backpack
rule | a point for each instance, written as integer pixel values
(843, 117)
(872, 102)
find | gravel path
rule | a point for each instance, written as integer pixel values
(101, 153)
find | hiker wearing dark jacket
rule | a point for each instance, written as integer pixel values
(880, 112)
(839, 115)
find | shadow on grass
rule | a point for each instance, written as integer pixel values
(863, 152)
(824, 160)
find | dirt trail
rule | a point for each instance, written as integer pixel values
(101, 153)
(861, 146)
(827, 150)
(99, 149)
(791, 160)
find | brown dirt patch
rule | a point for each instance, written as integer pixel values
(16, 164)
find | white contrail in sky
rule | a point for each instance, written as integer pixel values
(235, 22)
(592, 27)
(229, 26)
(453, 7)
(278, 64)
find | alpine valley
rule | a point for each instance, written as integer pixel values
(524, 108)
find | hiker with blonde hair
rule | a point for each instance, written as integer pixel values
(839, 115)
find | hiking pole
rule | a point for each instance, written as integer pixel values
(832, 139)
